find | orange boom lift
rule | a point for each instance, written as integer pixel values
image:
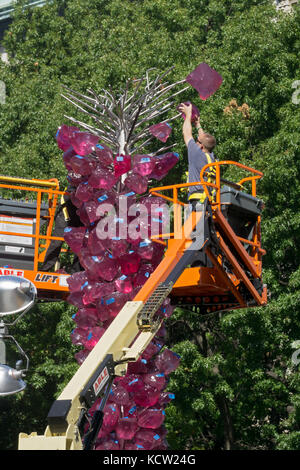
(212, 263)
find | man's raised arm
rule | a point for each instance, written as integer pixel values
(187, 125)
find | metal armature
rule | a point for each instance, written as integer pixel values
(122, 122)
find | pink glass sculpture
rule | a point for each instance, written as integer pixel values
(205, 80)
(115, 268)
(83, 142)
(161, 131)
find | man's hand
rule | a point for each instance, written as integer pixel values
(186, 109)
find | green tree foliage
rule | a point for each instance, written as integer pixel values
(236, 387)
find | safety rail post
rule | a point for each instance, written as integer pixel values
(37, 230)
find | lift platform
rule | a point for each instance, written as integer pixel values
(27, 210)
(212, 263)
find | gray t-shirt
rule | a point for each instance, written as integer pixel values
(197, 160)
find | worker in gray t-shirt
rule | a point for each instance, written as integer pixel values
(199, 153)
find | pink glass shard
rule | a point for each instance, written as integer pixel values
(161, 131)
(81, 165)
(84, 192)
(102, 178)
(152, 348)
(91, 210)
(124, 284)
(95, 245)
(145, 249)
(148, 438)
(147, 396)
(122, 164)
(132, 383)
(83, 142)
(63, 136)
(165, 397)
(105, 197)
(129, 263)
(76, 178)
(151, 418)
(78, 336)
(92, 265)
(76, 280)
(136, 183)
(81, 356)
(86, 317)
(114, 303)
(205, 80)
(107, 443)
(126, 428)
(142, 275)
(157, 380)
(167, 361)
(163, 164)
(104, 154)
(138, 367)
(195, 111)
(116, 246)
(74, 237)
(131, 445)
(92, 337)
(143, 164)
(111, 416)
(119, 395)
(67, 157)
(109, 268)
